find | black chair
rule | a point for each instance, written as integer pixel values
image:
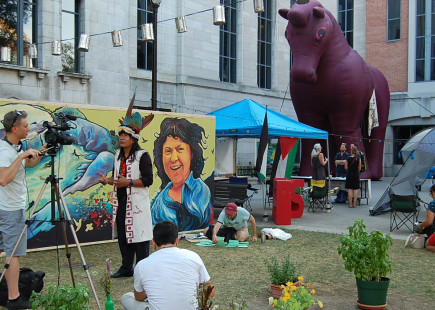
(404, 211)
(318, 195)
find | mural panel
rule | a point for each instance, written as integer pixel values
(184, 156)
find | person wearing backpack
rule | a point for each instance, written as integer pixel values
(362, 156)
(340, 172)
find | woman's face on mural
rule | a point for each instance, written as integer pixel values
(177, 157)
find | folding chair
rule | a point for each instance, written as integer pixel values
(404, 211)
(318, 195)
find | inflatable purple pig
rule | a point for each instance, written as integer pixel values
(331, 87)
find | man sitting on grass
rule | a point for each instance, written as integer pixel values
(232, 224)
(170, 277)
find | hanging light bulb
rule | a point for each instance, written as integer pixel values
(56, 48)
(180, 22)
(84, 42)
(218, 15)
(6, 54)
(258, 6)
(116, 38)
(32, 51)
(147, 32)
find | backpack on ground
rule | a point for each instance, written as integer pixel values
(29, 281)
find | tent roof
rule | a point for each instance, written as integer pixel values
(244, 119)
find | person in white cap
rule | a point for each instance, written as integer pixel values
(232, 224)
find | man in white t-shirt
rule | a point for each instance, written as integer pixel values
(232, 224)
(13, 195)
(170, 277)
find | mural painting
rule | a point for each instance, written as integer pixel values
(95, 142)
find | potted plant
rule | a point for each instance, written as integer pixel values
(62, 297)
(280, 273)
(295, 297)
(366, 255)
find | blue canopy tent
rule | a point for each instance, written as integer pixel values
(244, 119)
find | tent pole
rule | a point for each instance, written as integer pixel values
(329, 164)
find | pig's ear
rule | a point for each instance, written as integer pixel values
(283, 13)
(318, 12)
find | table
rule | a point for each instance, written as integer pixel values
(364, 191)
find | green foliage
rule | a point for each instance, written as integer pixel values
(62, 297)
(364, 254)
(280, 273)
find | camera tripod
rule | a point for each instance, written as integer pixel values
(56, 195)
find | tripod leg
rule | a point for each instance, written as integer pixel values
(85, 266)
(25, 227)
(65, 238)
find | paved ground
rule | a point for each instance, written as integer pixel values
(340, 216)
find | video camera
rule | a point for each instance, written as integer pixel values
(54, 137)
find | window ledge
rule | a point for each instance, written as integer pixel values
(66, 76)
(22, 71)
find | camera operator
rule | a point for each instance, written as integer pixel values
(13, 194)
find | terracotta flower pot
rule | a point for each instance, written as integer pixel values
(276, 290)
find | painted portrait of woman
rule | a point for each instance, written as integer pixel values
(178, 155)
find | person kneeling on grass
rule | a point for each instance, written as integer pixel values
(170, 277)
(232, 224)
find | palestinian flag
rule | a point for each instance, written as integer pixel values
(287, 155)
(284, 160)
(261, 165)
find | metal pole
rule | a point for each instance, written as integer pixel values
(154, 71)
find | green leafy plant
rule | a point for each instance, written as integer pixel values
(295, 296)
(280, 273)
(62, 297)
(366, 254)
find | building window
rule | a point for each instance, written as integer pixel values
(18, 29)
(144, 49)
(228, 44)
(70, 35)
(401, 136)
(425, 41)
(393, 20)
(345, 19)
(264, 47)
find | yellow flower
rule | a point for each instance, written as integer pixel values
(308, 284)
(301, 278)
(289, 283)
(293, 287)
(282, 286)
(286, 296)
(313, 291)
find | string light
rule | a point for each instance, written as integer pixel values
(84, 39)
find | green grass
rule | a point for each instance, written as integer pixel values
(240, 274)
